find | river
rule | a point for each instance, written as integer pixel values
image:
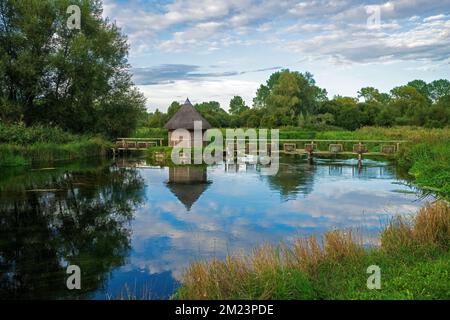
(133, 227)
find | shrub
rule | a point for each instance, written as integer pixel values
(22, 135)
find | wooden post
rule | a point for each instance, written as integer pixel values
(360, 155)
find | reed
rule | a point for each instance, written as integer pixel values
(12, 155)
(335, 266)
(430, 227)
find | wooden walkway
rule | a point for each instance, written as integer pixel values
(327, 147)
(310, 147)
(136, 144)
(315, 147)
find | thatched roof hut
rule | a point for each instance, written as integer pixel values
(185, 117)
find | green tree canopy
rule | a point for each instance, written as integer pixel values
(76, 79)
(212, 112)
(409, 104)
(286, 95)
(439, 89)
(371, 94)
(173, 108)
(237, 105)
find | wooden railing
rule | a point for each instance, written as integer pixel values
(137, 143)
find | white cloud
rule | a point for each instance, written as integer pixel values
(433, 18)
(427, 41)
(161, 95)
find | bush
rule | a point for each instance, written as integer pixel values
(21, 135)
(428, 162)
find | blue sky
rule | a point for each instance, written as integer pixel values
(214, 49)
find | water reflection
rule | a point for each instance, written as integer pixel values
(53, 218)
(188, 183)
(139, 225)
(294, 177)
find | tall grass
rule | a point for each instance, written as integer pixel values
(20, 155)
(19, 134)
(335, 267)
(21, 145)
(156, 133)
(430, 227)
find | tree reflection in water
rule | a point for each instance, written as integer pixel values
(294, 177)
(64, 217)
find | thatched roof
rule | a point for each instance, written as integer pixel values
(185, 117)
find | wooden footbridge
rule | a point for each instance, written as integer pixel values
(136, 144)
(318, 147)
(309, 147)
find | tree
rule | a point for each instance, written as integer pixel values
(347, 113)
(284, 100)
(439, 113)
(371, 94)
(237, 105)
(410, 104)
(264, 90)
(173, 108)
(157, 119)
(65, 77)
(421, 86)
(286, 95)
(212, 112)
(439, 89)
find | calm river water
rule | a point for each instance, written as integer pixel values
(133, 227)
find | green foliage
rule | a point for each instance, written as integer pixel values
(277, 284)
(286, 96)
(21, 145)
(156, 119)
(173, 108)
(153, 151)
(292, 99)
(237, 105)
(212, 112)
(439, 89)
(429, 164)
(10, 157)
(419, 281)
(371, 94)
(16, 155)
(22, 135)
(146, 132)
(75, 79)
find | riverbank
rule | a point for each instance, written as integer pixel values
(22, 146)
(413, 257)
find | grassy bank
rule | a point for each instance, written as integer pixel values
(413, 256)
(21, 146)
